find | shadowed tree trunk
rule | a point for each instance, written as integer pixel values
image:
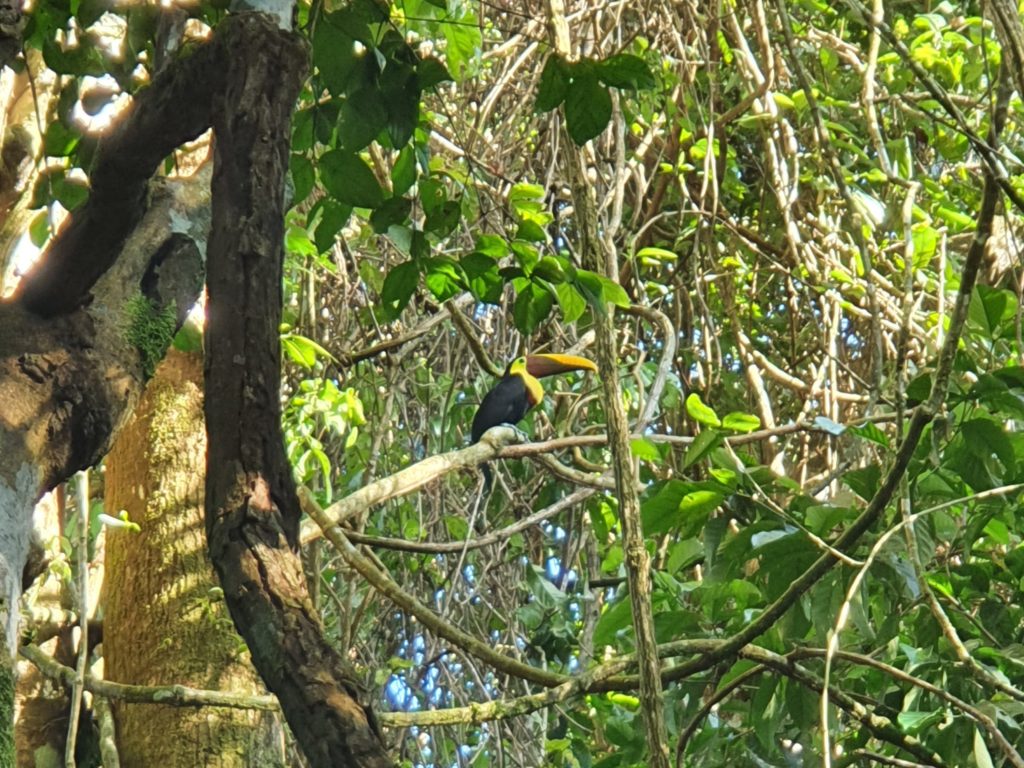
(162, 622)
(252, 510)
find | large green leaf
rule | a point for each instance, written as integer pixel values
(349, 179)
(554, 84)
(399, 286)
(333, 55)
(625, 71)
(482, 273)
(532, 307)
(363, 117)
(700, 412)
(588, 108)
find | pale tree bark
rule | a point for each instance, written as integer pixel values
(596, 257)
(163, 623)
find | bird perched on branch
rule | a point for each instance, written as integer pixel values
(518, 391)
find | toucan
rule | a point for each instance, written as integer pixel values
(518, 391)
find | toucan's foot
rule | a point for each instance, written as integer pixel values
(521, 436)
(498, 436)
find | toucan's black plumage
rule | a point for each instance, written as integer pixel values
(518, 391)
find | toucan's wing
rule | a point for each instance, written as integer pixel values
(505, 404)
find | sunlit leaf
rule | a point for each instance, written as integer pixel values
(700, 412)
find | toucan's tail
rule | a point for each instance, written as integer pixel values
(488, 476)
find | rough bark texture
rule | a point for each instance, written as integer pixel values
(251, 506)
(68, 383)
(173, 110)
(161, 623)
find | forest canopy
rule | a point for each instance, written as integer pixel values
(263, 264)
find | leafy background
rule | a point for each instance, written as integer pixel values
(790, 205)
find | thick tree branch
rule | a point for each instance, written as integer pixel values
(171, 111)
(596, 257)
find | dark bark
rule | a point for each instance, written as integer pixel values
(252, 511)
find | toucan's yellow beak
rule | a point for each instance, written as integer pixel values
(547, 365)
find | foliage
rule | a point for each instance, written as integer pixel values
(796, 205)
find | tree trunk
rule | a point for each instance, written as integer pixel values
(252, 510)
(162, 623)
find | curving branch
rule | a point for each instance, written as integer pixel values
(443, 628)
(172, 695)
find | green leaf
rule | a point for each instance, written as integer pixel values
(554, 84)
(864, 482)
(549, 269)
(39, 229)
(303, 177)
(530, 230)
(625, 70)
(614, 620)
(82, 59)
(600, 291)
(985, 437)
(432, 194)
(645, 450)
(333, 217)
(990, 308)
(60, 141)
(302, 130)
(333, 54)
(482, 274)
(657, 254)
(572, 304)
(700, 412)
(362, 118)
(431, 72)
(677, 504)
(296, 240)
(400, 92)
(463, 42)
(303, 351)
(69, 192)
(349, 179)
(741, 422)
(444, 279)
(492, 245)
(702, 445)
(869, 431)
(399, 286)
(613, 293)
(913, 721)
(442, 221)
(394, 210)
(982, 758)
(527, 255)
(588, 108)
(403, 173)
(533, 305)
